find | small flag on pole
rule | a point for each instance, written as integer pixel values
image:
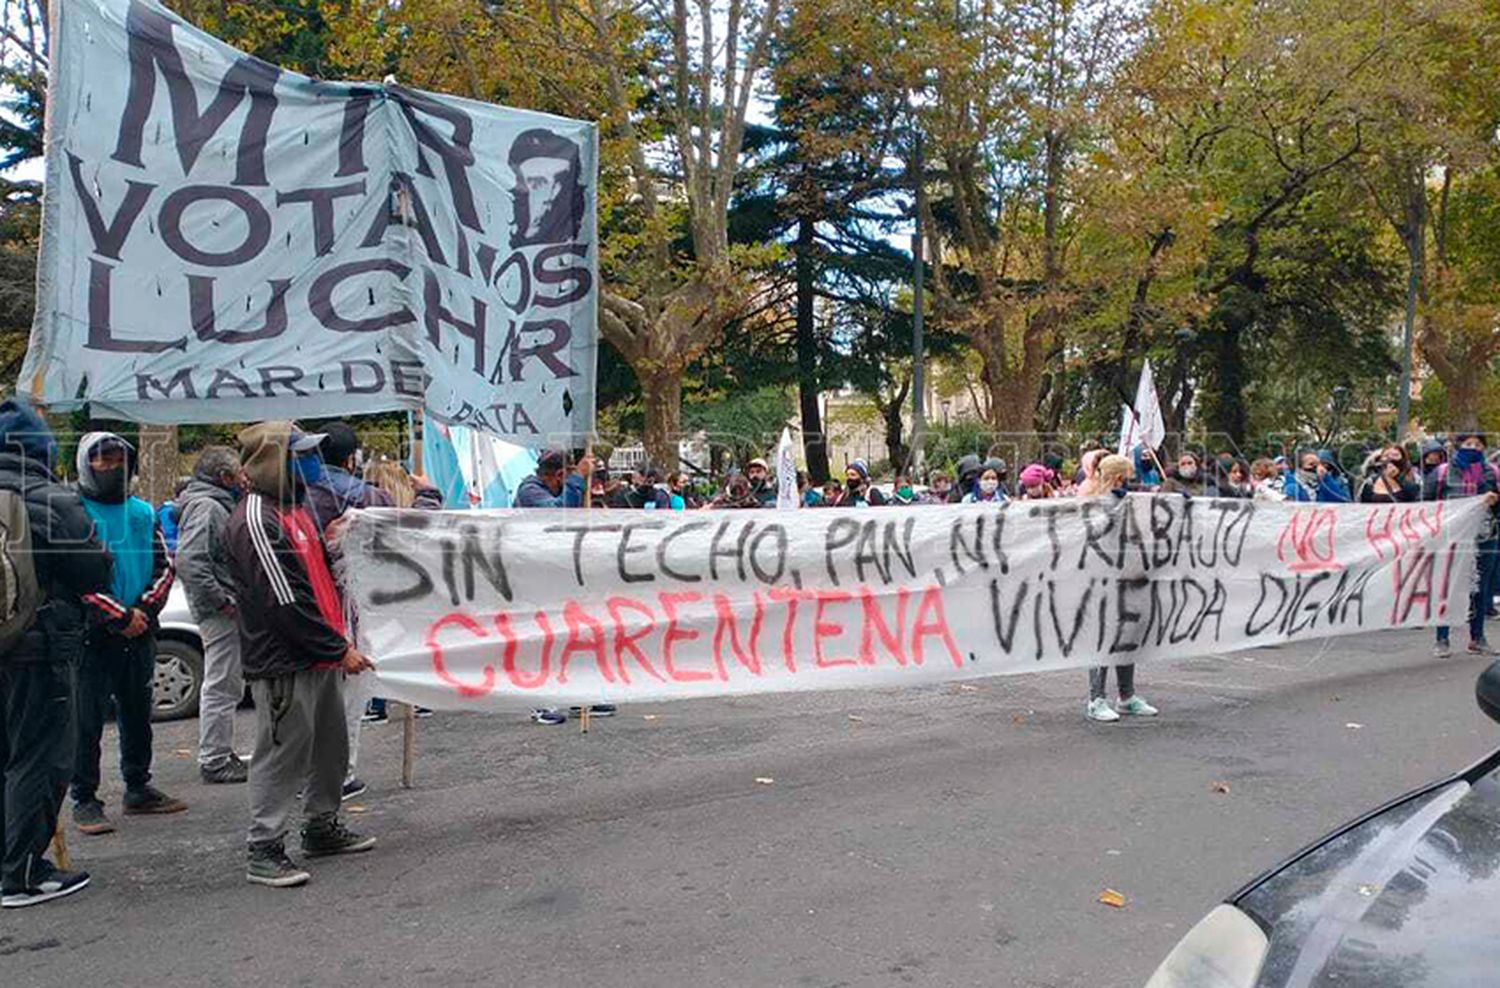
(1143, 425)
(786, 473)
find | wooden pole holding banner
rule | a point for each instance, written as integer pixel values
(60, 846)
(588, 502)
(409, 715)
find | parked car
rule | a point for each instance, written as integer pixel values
(1406, 896)
(179, 660)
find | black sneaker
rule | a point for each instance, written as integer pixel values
(421, 713)
(267, 864)
(229, 773)
(148, 800)
(53, 884)
(89, 818)
(373, 715)
(353, 787)
(548, 715)
(328, 836)
(598, 710)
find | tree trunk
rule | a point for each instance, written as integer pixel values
(662, 396)
(157, 461)
(814, 443)
(894, 447)
(1227, 417)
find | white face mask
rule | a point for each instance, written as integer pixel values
(989, 486)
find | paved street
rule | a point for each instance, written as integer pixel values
(953, 836)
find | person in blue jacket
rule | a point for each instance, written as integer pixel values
(1317, 478)
(552, 486)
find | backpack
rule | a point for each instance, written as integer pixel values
(20, 593)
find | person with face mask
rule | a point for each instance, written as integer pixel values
(202, 562)
(1186, 477)
(987, 490)
(968, 469)
(759, 475)
(119, 656)
(296, 650)
(1317, 478)
(1434, 455)
(1468, 474)
(903, 494)
(642, 493)
(1112, 480)
(858, 492)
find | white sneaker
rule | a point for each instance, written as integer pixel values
(1101, 711)
(1136, 707)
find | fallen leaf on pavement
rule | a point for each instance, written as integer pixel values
(962, 688)
(1112, 898)
(1221, 787)
(1353, 726)
(1017, 719)
(649, 716)
(356, 808)
(856, 718)
(764, 780)
(182, 752)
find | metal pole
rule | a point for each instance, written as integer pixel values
(918, 353)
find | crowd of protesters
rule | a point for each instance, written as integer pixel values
(85, 571)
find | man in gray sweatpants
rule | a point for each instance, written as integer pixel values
(204, 507)
(296, 652)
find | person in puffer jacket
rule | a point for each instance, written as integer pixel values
(295, 651)
(205, 505)
(37, 672)
(119, 656)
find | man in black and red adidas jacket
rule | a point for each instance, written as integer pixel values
(294, 649)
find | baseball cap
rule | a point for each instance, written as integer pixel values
(304, 442)
(339, 442)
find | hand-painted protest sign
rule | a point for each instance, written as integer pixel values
(224, 240)
(501, 610)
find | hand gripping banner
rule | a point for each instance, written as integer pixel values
(223, 240)
(518, 609)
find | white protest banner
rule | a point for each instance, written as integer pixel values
(223, 240)
(517, 609)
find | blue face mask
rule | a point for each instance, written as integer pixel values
(308, 469)
(1119, 491)
(1464, 457)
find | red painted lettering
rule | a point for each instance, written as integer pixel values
(517, 676)
(728, 627)
(936, 624)
(790, 597)
(875, 624)
(440, 667)
(669, 602)
(585, 634)
(823, 628)
(626, 642)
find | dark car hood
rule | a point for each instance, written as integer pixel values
(1406, 897)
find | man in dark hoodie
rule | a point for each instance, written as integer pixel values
(36, 674)
(295, 649)
(119, 656)
(203, 566)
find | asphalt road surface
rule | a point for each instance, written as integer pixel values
(947, 836)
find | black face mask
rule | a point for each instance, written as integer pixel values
(110, 484)
(854, 484)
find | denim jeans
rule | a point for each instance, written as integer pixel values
(1487, 579)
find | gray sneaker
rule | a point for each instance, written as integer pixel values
(1442, 649)
(231, 772)
(328, 836)
(89, 818)
(267, 864)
